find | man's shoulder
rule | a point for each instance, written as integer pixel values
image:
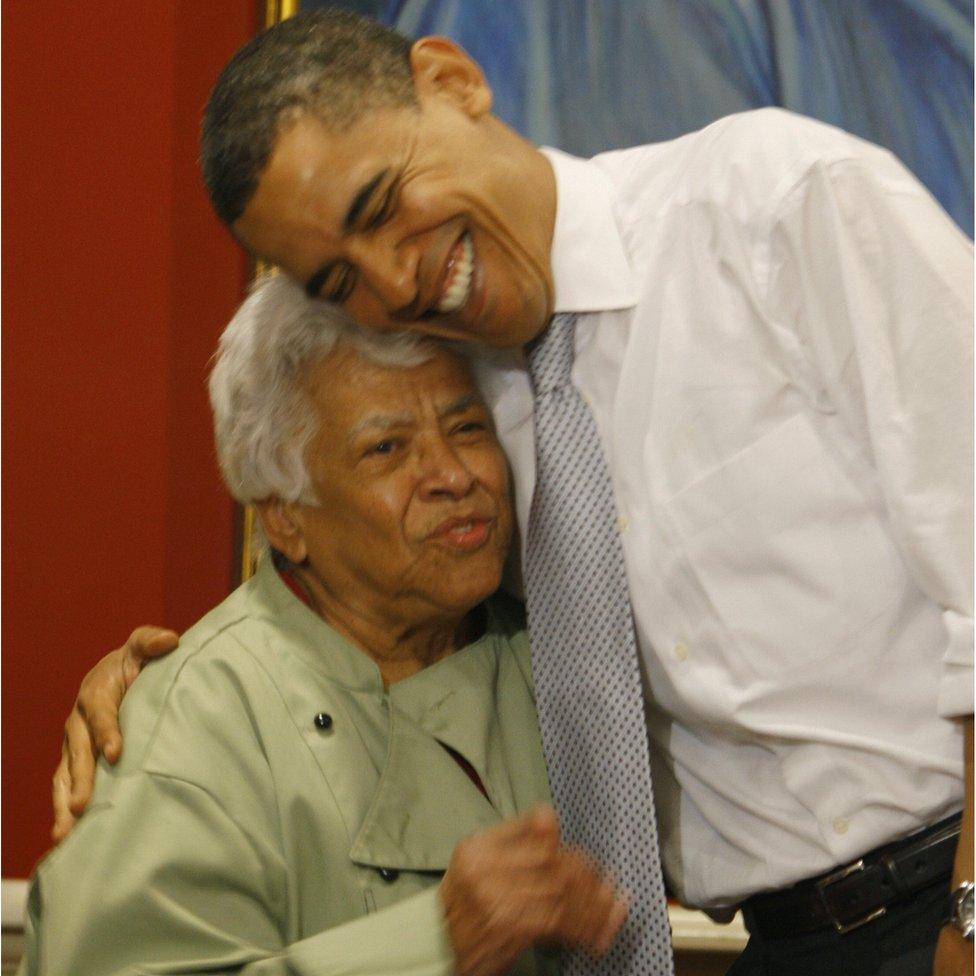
(750, 156)
(772, 131)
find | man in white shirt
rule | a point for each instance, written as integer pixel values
(774, 336)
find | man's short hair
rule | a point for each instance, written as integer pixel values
(331, 64)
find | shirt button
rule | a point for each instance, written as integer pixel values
(840, 825)
(586, 398)
(389, 875)
(681, 651)
(622, 523)
(323, 720)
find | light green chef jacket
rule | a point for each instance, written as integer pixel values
(237, 835)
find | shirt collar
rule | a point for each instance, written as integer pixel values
(590, 268)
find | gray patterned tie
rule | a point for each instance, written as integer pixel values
(584, 659)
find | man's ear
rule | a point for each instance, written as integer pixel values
(282, 529)
(441, 66)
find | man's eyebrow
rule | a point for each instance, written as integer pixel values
(314, 284)
(361, 199)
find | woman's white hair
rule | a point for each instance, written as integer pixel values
(263, 416)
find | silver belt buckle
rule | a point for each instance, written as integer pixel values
(839, 875)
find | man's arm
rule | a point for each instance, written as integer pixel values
(876, 282)
(879, 285)
(954, 955)
(92, 728)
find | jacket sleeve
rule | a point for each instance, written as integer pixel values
(194, 895)
(877, 282)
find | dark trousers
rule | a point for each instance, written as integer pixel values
(900, 943)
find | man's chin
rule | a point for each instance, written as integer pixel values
(508, 337)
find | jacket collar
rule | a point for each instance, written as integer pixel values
(320, 647)
(409, 825)
(424, 803)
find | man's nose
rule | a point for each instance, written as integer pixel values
(443, 472)
(388, 268)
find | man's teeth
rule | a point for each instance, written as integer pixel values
(462, 529)
(456, 294)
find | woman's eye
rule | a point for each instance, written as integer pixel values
(382, 447)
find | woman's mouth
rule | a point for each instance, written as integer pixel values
(460, 269)
(464, 536)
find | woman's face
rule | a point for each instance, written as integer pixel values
(414, 520)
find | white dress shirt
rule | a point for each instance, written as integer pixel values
(775, 338)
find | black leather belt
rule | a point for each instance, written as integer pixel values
(859, 892)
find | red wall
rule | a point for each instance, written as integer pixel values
(116, 283)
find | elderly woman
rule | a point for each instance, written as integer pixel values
(300, 774)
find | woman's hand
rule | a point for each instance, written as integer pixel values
(514, 885)
(92, 727)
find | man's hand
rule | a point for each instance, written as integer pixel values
(92, 727)
(513, 886)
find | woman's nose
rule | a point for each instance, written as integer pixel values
(444, 473)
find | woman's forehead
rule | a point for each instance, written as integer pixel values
(354, 389)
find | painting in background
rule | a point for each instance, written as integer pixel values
(590, 75)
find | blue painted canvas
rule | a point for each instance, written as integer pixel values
(589, 75)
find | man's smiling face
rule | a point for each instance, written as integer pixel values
(435, 219)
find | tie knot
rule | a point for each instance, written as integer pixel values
(551, 355)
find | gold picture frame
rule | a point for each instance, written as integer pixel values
(277, 10)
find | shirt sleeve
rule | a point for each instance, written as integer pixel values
(195, 895)
(877, 282)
